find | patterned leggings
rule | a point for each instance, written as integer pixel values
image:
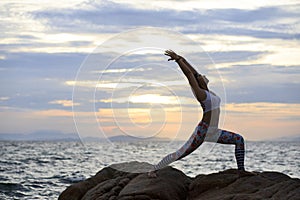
(197, 139)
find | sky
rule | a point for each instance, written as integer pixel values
(97, 68)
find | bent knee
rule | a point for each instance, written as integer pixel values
(240, 139)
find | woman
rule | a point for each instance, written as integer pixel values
(208, 127)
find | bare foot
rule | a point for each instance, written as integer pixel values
(243, 173)
(152, 174)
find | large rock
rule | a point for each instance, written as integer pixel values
(171, 184)
(227, 185)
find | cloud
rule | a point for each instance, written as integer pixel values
(113, 17)
(53, 113)
(64, 29)
(15, 120)
(4, 98)
(253, 15)
(213, 4)
(227, 56)
(31, 80)
(262, 83)
(37, 75)
(265, 108)
(65, 103)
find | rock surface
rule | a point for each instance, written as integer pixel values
(172, 184)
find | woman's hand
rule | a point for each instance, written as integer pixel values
(172, 54)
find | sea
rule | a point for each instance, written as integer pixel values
(43, 169)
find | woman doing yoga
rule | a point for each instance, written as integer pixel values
(208, 126)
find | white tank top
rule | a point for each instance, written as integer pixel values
(211, 102)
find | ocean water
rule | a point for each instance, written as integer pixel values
(42, 170)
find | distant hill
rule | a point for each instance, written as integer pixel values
(293, 138)
(126, 138)
(39, 136)
(49, 135)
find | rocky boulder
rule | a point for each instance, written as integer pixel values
(111, 183)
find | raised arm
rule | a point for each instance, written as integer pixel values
(183, 61)
(189, 72)
(191, 68)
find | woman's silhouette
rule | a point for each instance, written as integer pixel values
(208, 126)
